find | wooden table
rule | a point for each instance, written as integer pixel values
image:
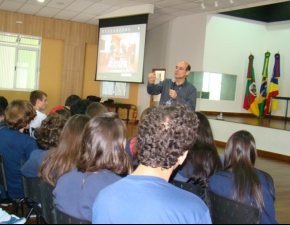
(279, 98)
(122, 106)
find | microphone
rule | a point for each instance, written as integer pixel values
(173, 83)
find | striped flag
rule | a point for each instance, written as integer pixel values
(274, 87)
(263, 89)
(250, 100)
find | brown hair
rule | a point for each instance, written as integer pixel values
(240, 158)
(18, 114)
(66, 155)
(49, 131)
(95, 109)
(34, 95)
(103, 145)
(165, 134)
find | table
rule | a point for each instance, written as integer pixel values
(279, 98)
(122, 106)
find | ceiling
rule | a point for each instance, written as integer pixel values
(85, 11)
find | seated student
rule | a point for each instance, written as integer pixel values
(203, 159)
(241, 181)
(15, 145)
(164, 136)
(102, 162)
(48, 136)
(66, 155)
(3, 106)
(68, 103)
(80, 106)
(95, 109)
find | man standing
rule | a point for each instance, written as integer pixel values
(164, 137)
(174, 90)
(39, 101)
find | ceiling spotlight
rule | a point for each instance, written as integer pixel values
(231, 1)
(216, 3)
(202, 5)
(40, 0)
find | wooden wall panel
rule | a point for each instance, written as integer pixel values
(75, 36)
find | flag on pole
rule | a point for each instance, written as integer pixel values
(274, 87)
(250, 100)
(263, 89)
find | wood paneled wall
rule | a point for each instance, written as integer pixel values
(75, 36)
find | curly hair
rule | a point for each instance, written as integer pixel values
(165, 133)
(49, 131)
(18, 114)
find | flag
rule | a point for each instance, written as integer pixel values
(263, 89)
(250, 100)
(274, 88)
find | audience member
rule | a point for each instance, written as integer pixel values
(39, 101)
(48, 137)
(203, 159)
(3, 106)
(164, 136)
(95, 109)
(241, 181)
(102, 162)
(66, 155)
(63, 112)
(15, 145)
(68, 103)
(79, 107)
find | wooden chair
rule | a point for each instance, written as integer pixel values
(224, 210)
(63, 218)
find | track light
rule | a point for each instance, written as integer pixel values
(216, 3)
(202, 5)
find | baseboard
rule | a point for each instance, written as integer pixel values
(262, 153)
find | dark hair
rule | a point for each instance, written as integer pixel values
(103, 145)
(240, 158)
(79, 107)
(49, 131)
(188, 68)
(66, 155)
(203, 158)
(34, 95)
(165, 134)
(3, 105)
(18, 114)
(63, 112)
(71, 99)
(95, 109)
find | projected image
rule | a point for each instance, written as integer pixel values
(120, 53)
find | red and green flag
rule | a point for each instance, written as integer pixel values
(250, 100)
(263, 89)
(274, 87)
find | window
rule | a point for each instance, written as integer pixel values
(19, 62)
(115, 89)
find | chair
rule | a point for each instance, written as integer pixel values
(193, 188)
(47, 205)
(224, 210)
(63, 218)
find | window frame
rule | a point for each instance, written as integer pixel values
(127, 90)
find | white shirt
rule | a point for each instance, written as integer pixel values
(38, 119)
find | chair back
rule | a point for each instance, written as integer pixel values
(3, 181)
(193, 188)
(47, 203)
(224, 210)
(63, 218)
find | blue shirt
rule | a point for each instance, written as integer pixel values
(14, 147)
(75, 192)
(222, 184)
(186, 92)
(148, 200)
(30, 168)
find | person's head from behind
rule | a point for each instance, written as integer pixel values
(240, 150)
(70, 100)
(79, 107)
(165, 135)
(3, 106)
(38, 99)
(49, 131)
(104, 145)
(66, 155)
(95, 109)
(19, 114)
(63, 112)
